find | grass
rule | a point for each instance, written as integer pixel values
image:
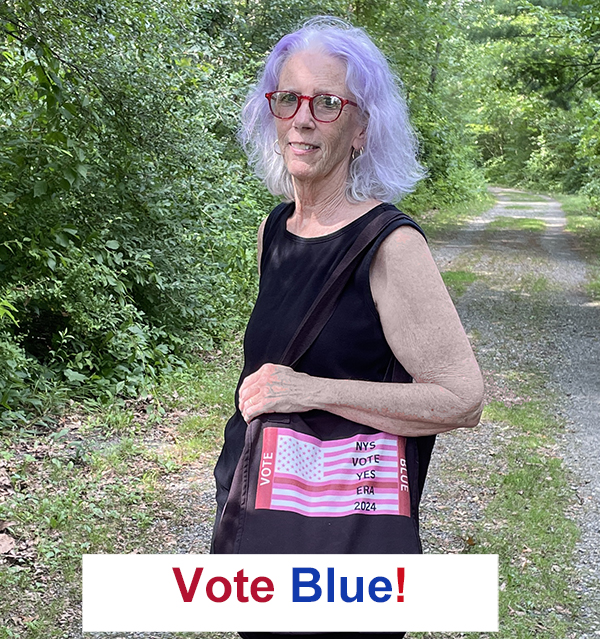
(438, 223)
(94, 484)
(524, 523)
(583, 221)
(575, 204)
(502, 223)
(531, 497)
(458, 281)
(59, 510)
(531, 284)
(522, 196)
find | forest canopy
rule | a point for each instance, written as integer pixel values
(128, 213)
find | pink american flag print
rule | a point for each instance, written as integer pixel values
(364, 474)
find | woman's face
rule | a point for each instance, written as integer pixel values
(312, 150)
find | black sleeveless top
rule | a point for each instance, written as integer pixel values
(293, 270)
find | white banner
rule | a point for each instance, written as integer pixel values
(290, 593)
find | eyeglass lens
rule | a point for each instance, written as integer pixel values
(324, 107)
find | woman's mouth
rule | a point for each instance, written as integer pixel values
(302, 146)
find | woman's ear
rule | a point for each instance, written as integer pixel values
(360, 139)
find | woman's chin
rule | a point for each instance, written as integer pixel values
(302, 171)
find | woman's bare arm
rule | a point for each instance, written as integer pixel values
(424, 332)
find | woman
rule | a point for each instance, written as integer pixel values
(327, 129)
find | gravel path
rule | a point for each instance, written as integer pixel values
(555, 333)
(526, 312)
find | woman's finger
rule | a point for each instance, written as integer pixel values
(273, 388)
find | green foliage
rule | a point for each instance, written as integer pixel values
(129, 217)
(425, 44)
(5, 310)
(537, 117)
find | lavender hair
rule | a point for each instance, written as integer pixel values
(388, 169)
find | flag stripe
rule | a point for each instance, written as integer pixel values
(284, 480)
(311, 498)
(330, 511)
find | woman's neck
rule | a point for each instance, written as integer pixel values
(320, 211)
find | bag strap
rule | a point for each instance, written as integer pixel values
(322, 308)
(418, 449)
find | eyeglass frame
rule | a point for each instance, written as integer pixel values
(310, 99)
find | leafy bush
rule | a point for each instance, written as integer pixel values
(127, 216)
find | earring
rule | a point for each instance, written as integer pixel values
(276, 147)
(356, 153)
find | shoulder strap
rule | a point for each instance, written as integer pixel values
(324, 305)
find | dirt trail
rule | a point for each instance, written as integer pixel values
(528, 313)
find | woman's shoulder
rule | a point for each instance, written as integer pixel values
(403, 250)
(403, 220)
(403, 236)
(402, 260)
(403, 272)
(401, 230)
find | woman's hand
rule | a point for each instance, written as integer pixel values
(274, 389)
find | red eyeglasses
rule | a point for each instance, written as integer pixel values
(324, 107)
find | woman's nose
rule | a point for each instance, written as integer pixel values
(304, 116)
